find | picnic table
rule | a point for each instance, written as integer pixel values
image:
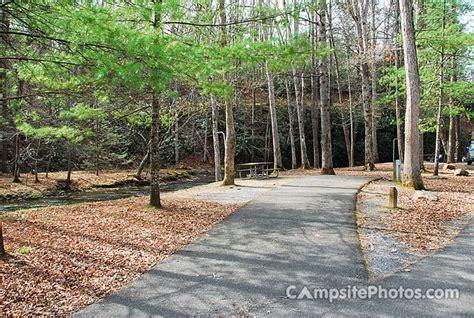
(257, 169)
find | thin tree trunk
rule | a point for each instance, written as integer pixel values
(176, 141)
(373, 71)
(359, 14)
(315, 96)
(294, 162)
(155, 199)
(141, 166)
(300, 118)
(351, 117)
(440, 100)
(315, 115)
(69, 165)
(97, 150)
(204, 155)
(48, 164)
(398, 99)
(36, 160)
(4, 89)
(458, 138)
(452, 120)
(277, 162)
(215, 140)
(411, 167)
(2, 247)
(252, 128)
(345, 128)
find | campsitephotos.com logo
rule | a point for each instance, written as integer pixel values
(370, 292)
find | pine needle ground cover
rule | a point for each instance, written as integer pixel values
(64, 258)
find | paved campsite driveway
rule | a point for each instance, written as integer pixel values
(300, 233)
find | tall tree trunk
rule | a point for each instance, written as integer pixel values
(398, 99)
(458, 138)
(373, 70)
(315, 115)
(252, 124)
(230, 141)
(452, 119)
(345, 128)
(359, 14)
(16, 160)
(440, 99)
(411, 167)
(277, 162)
(294, 162)
(314, 96)
(204, 155)
(420, 25)
(326, 146)
(3, 90)
(155, 199)
(300, 116)
(215, 140)
(351, 116)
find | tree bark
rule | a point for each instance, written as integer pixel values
(315, 115)
(440, 100)
(458, 138)
(3, 82)
(373, 70)
(345, 128)
(69, 164)
(351, 119)
(300, 116)
(215, 140)
(230, 142)
(452, 119)
(155, 199)
(176, 141)
(294, 163)
(326, 146)
(411, 167)
(277, 162)
(359, 14)
(141, 166)
(398, 99)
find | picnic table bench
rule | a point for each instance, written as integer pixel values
(257, 170)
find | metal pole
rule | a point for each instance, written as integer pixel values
(394, 172)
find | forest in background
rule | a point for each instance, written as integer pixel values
(95, 85)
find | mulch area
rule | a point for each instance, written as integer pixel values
(425, 225)
(64, 258)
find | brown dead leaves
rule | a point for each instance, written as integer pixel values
(67, 257)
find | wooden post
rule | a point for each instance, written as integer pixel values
(393, 197)
(2, 248)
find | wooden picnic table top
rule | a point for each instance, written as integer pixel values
(255, 164)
